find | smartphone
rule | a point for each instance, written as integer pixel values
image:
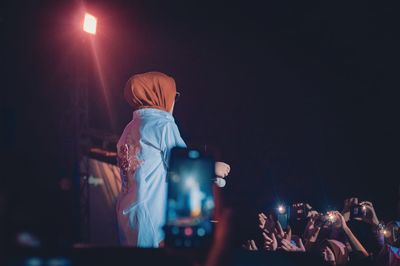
(190, 201)
(283, 215)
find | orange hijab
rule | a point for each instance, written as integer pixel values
(150, 90)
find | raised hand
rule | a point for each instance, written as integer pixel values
(262, 220)
(329, 256)
(270, 243)
(340, 218)
(222, 169)
(370, 215)
(311, 231)
(250, 245)
(289, 246)
(280, 233)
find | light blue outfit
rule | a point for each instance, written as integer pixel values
(143, 154)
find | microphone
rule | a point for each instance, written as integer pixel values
(220, 182)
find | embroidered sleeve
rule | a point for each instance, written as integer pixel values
(128, 162)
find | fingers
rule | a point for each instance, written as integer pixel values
(336, 213)
(261, 221)
(225, 166)
(367, 203)
(222, 169)
(300, 244)
(286, 245)
(253, 245)
(266, 238)
(316, 231)
(279, 229)
(274, 238)
(246, 245)
(289, 233)
(312, 214)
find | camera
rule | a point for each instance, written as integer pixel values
(357, 211)
(325, 220)
(190, 201)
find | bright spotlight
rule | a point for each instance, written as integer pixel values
(89, 24)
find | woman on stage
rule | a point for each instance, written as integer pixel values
(143, 156)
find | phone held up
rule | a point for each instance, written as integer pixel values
(190, 201)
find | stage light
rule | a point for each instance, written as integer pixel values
(89, 24)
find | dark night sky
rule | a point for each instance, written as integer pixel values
(300, 98)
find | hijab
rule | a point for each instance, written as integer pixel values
(150, 90)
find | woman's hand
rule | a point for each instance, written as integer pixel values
(370, 215)
(222, 169)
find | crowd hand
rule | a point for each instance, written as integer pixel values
(354, 242)
(281, 234)
(370, 215)
(311, 231)
(266, 224)
(329, 256)
(348, 203)
(312, 214)
(340, 218)
(262, 220)
(270, 243)
(222, 169)
(287, 245)
(250, 245)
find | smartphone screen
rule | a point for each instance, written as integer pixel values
(190, 202)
